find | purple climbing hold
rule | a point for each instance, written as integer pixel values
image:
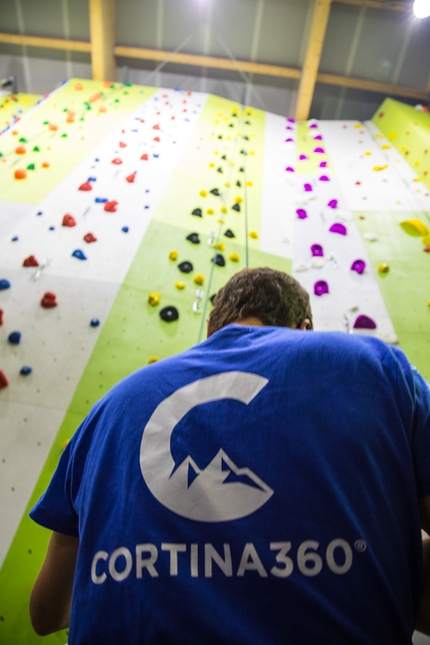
(358, 266)
(324, 178)
(323, 164)
(289, 140)
(332, 203)
(320, 288)
(317, 250)
(308, 188)
(364, 322)
(302, 157)
(301, 213)
(289, 169)
(338, 228)
(317, 137)
(291, 120)
(320, 150)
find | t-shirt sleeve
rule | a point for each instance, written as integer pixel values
(54, 510)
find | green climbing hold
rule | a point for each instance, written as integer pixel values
(23, 140)
(36, 149)
(31, 166)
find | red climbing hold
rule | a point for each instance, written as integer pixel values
(117, 161)
(3, 380)
(157, 139)
(89, 237)
(86, 186)
(156, 127)
(110, 207)
(69, 221)
(122, 144)
(30, 262)
(1, 317)
(49, 300)
(144, 157)
(131, 178)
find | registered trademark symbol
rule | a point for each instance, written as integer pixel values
(360, 546)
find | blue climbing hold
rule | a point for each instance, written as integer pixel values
(95, 322)
(40, 213)
(146, 206)
(154, 155)
(79, 254)
(52, 228)
(4, 284)
(26, 370)
(14, 338)
(101, 200)
(92, 178)
(15, 239)
(125, 229)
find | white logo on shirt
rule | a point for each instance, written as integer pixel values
(204, 495)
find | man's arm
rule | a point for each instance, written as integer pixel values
(52, 592)
(423, 622)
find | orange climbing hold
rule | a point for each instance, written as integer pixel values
(53, 127)
(20, 173)
(20, 150)
(94, 97)
(46, 164)
(78, 87)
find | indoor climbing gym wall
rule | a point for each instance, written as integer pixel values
(123, 209)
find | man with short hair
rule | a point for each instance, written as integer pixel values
(263, 487)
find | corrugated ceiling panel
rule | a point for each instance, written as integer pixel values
(78, 11)
(136, 23)
(180, 20)
(282, 32)
(8, 17)
(233, 22)
(44, 19)
(339, 36)
(416, 65)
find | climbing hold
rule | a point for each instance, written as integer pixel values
(185, 267)
(338, 228)
(234, 257)
(317, 262)
(53, 127)
(131, 178)
(20, 173)
(301, 213)
(324, 178)
(78, 87)
(144, 157)
(125, 229)
(45, 164)
(30, 262)
(219, 260)
(308, 188)
(223, 209)
(215, 192)
(378, 168)
(101, 200)
(197, 212)
(302, 157)
(302, 266)
(236, 207)
(14, 338)
(154, 299)
(320, 288)
(323, 164)
(199, 279)
(414, 227)
(253, 235)
(229, 233)
(203, 193)
(358, 266)
(173, 255)
(117, 161)
(332, 203)
(289, 169)
(20, 150)
(219, 245)
(153, 359)
(15, 238)
(31, 166)
(193, 238)
(210, 211)
(3, 380)
(89, 237)
(156, 127)
(110, 206)
(383, 268)
(317, 250)
(49, 300)
(319, 150)
(169, 314)
(94, 322)
(212, 298)
(1, 317)
(85, 186)
(220, 170)
(4, 284)
(79, 254)
(25, 370)
(68, 220)
(364, 322)
(180, 285)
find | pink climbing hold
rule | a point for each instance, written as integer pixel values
(89, 237)
(317, 137)
(85, 186)
(131, 178)
(291, 120)
(301, 213)
(117, 161)
(332, 203)
(320, 288)
(3, 380)
(110, 206)
(338, 228)
(30, 262)
(364, 322)
(69, 221)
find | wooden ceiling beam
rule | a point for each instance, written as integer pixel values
(103, 34)
(379, 4)
(371, 86)
(47, 43)
(312, 58)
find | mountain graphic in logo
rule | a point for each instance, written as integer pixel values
(220, 492)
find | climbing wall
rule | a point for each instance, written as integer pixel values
(124, 209)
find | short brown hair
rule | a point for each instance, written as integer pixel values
(274, 297)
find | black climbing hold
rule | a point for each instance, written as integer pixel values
(212, 298)
(229, 233)
(219, 169)
(185, 267)
(238, 183)
(14, 338)
(247, 122)
(245, 136)
(169, 314)
(231, 125)
(236, 207)
(220, 136)
(94, 322)
(193, 238)
(243, 152)
(224, 157)
(215, 192)
(219, 260)
(242, 169)
(197, 212)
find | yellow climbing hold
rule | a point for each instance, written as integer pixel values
(153, 359)
(154, 299)
(417, 163)
(203, 193)
(227, 184)
(220, 221)
(414, 227)
(378, 168)
(180, 285)
(234, 257)
(173, 255)
(358, 126)
(210, 211)
(220, 246)
(238, 199)
(249, 183)
(392, 136)
(383, 268)
(249, 111)
(223, 209)
(211, 165)
(253, 235)
(199, 278)
(385, 146)
(367, 153)
(426, 240)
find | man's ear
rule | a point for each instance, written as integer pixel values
(306, 324)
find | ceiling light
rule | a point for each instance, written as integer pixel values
(421, 8)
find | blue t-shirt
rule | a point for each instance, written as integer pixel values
(260, 488)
